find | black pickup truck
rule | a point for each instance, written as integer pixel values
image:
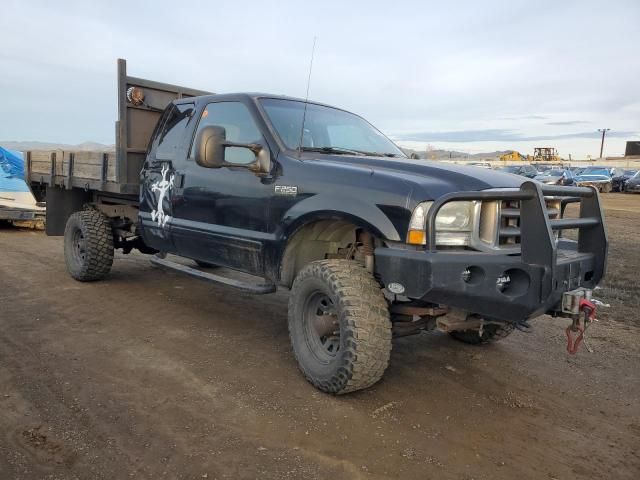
(314, 199)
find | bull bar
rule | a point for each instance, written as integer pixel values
(540, 274)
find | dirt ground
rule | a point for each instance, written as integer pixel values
(149, 374)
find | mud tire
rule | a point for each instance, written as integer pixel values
(363, 347)
(88, 246)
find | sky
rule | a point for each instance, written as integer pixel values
(473, 76)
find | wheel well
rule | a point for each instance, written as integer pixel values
(324, 239)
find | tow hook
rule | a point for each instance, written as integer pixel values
(575, 332)
(580, 306)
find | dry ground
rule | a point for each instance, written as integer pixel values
(153, 375)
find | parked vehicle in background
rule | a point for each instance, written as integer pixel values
(595, 176)
(556, 176)
(541, 167)
(16, 200)
(314, 200)
(633, 184)
(523, 170)
(480, 164)
(620, 179)
(576, 170)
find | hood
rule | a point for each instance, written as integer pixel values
(547, 178)
(432, 178)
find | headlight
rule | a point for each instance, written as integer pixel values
(455, 216)
(453, 224)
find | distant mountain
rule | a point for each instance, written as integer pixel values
(85, 146)
(452, 154)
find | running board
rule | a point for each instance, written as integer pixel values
(255, 288)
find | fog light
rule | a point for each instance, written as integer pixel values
(473, 275)
(503, 281)
(466, 275)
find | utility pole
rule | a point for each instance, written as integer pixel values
(604, 131)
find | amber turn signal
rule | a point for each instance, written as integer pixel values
(416, 237)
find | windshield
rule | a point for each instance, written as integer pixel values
(595, 171)
(326, 129)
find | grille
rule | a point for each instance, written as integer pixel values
(499, 227)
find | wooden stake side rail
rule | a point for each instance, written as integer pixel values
(90, 170)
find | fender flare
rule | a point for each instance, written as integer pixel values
(343, 207)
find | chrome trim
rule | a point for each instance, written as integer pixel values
(487, 222)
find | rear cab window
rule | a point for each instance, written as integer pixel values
(171, 132)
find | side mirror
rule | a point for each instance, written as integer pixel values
(209, 147)
(212, 150)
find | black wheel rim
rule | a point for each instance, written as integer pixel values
(79, 246)
(321, 326)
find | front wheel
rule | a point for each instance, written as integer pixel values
(88, 246)
(339, 326)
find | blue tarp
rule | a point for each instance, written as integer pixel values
(12, 172)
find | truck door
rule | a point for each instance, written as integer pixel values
(160, 176)
(221, 215)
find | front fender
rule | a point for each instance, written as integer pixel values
(345, 207)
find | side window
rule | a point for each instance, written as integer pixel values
(172, 131)
(239, 126)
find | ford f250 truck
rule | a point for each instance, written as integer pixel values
(314, 199)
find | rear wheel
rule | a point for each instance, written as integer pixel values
(490, 333)
(88, 246)
(339, 326)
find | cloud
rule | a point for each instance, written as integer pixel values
(491, 135)
(567, 122)
(525, 117)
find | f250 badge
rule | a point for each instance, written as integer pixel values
(289, 190)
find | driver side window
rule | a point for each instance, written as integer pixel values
(239, 126)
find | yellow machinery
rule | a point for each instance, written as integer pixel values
(545, 154)
(512, 156)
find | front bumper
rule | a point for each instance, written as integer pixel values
(537, 277)
(469, 281)
(595, 184)
(17, 214)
